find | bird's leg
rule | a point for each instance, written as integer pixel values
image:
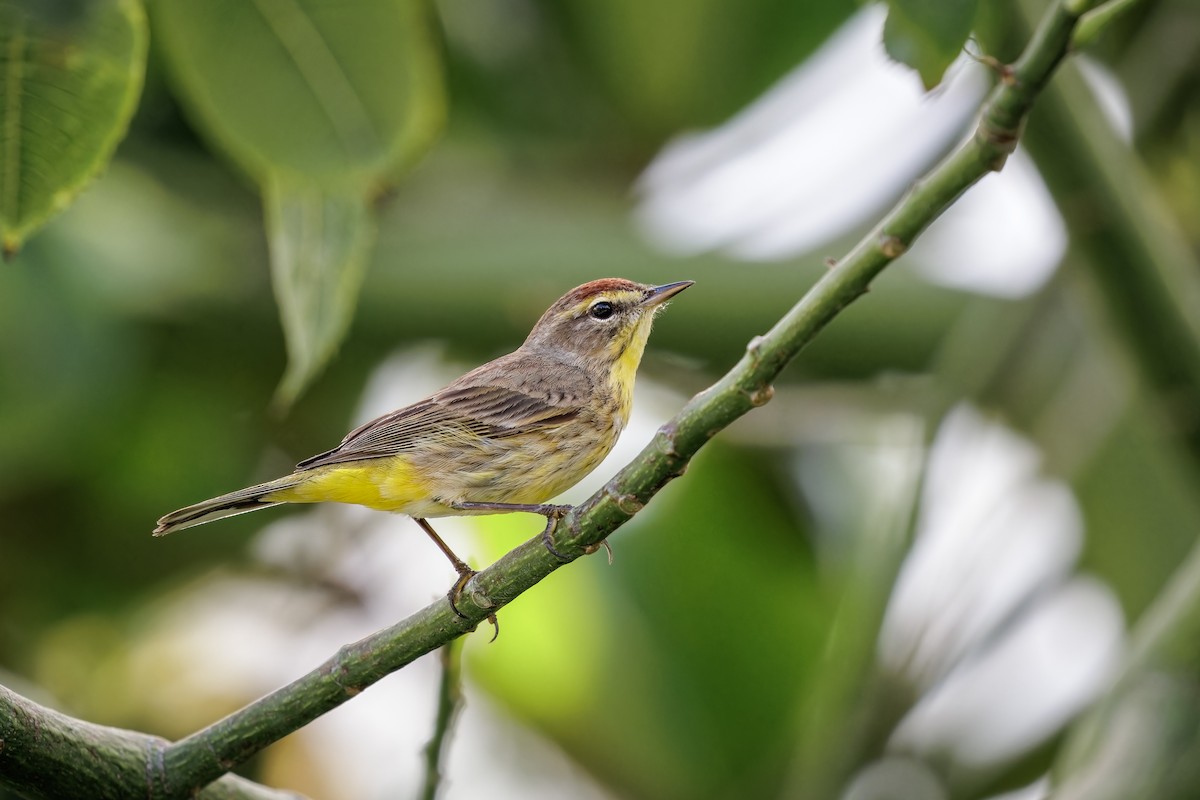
(465, 573)
(551, 512)
(460, 566)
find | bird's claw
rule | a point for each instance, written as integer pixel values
(553, 515)
(591, 548)
(455, 594)
(556, 512)
(548, 541)
(456, 591)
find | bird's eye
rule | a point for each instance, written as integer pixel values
(602, 310)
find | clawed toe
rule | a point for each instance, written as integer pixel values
(591, 548)
(548, 541)
(455, 594)
(556, 512)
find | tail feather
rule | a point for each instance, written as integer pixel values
(242, 501)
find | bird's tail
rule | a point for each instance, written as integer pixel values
(242, 501)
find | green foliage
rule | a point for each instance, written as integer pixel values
(928, 35)
(70, 76)
(291, 91)
(676, 64)
(319, 247)
(293, 87)
(1098, 20)
(731, 648)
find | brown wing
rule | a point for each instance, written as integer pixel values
(488, 411)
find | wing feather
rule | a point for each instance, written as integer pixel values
(489, 411)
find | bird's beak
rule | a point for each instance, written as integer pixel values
(658, 295)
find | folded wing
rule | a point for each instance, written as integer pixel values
(487, 411)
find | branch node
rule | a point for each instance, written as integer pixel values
(627, 504)
(999, 137)
(891, 246)
(156, 772)
(339, 670)
(1003, 71)
(761, 396)
(667, 433)
(478, 596)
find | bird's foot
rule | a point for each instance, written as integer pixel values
(553, 514)
(455, 595)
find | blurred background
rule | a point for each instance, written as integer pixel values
(951, 559)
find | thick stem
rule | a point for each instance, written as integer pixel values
(449, 702)
(45, 755)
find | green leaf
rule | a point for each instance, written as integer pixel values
(323, 104)
(339, 93)
(928, 35)
(320, 241)
(670, 65)
(1096, 21)
(70, 77)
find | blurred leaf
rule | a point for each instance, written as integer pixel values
(70, 76)
(1142, 738)
(319, 244)
(338, 94)
(322, 104)
(1098, 20)
(853, 706)
(724, 600)
(928, 35)
(676, 64)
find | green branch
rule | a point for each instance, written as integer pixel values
(449, 702)
(195, 761)
(45, 755)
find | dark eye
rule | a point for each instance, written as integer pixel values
(602, 310)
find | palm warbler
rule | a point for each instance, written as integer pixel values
(507, 436)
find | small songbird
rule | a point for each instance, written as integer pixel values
(507, 436)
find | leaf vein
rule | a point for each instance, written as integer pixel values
(14, 80)
(319, 66)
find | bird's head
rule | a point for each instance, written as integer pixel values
(604, 323)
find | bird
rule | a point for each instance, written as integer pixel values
(508, 436)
